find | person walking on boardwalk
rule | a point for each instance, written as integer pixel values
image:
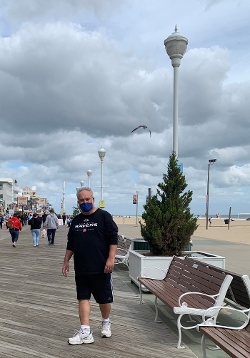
(44, 217)
(15, 226)
(35, 226)
(1, 221)
(92, 239)
(51, 223)
(64, 217)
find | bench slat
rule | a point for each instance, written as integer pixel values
(237, 291)
(233, 342)
(169, 294)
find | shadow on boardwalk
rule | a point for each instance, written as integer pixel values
(38, 309)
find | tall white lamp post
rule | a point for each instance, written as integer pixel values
(89, 173)
(210, 162)
(136, 213)
(176, 46)
(101, 153)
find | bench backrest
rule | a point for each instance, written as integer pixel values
(239, 289)
(194, 276)
(123, 242)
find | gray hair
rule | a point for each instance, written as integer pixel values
(84, 188)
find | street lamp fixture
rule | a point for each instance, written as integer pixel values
(82, 183)
(210, 162)
(101, 153)
(175, 45)
(89, 173)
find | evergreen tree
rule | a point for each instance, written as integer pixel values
(76, 210)
(167, 223)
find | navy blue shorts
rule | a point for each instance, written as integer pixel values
(99, 285)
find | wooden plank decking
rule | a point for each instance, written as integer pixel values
(38, 309)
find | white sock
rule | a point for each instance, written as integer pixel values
(105, 320)
(85, 328)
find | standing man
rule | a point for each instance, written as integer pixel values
(92, 239)
(51, 223)
(64, 217)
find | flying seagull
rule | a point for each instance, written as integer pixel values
(142, 126)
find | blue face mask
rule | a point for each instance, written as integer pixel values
(86, 207)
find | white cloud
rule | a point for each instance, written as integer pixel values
(76, 76)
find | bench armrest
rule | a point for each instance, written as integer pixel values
(161, 269)
(210, 321)
(194, 293)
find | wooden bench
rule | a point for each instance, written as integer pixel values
(238, 293)
(235, 341)
(189, 288)
(123, 247)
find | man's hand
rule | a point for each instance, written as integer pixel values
(65, 268)
(109, 267)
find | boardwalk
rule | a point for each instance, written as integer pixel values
(38, 309)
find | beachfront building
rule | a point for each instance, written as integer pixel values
(34, 202)
(13, 198)
(9, 191)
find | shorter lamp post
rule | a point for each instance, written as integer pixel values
(136, 213)
(89, 173)
(210, 162)
(82, 183)
(101, 153)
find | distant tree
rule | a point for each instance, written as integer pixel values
(167, 223)
(76, 210)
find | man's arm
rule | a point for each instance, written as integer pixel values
(67, 257)
(109, 267)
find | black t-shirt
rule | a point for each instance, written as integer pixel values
(89, 237)
(35, 223)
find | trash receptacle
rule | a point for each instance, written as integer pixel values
(140, 244)
(188, 247)
(226, 221)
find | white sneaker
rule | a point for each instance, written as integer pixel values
(81, 337)
(106, 330)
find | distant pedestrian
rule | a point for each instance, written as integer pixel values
(1, 221)
(210, 221)
(44, 218)
(64, 217)
(69, 220)
(35, 226)
(51, 223)
(15, 226)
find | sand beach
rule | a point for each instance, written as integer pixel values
(238, 231)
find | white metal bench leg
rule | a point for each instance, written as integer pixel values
(140, 290)
(180, 332)
(157, 319)
(203, 346)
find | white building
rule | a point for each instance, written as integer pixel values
(9, 191)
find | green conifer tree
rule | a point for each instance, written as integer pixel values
(167, 223)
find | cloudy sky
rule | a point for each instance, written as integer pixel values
(79, 75)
